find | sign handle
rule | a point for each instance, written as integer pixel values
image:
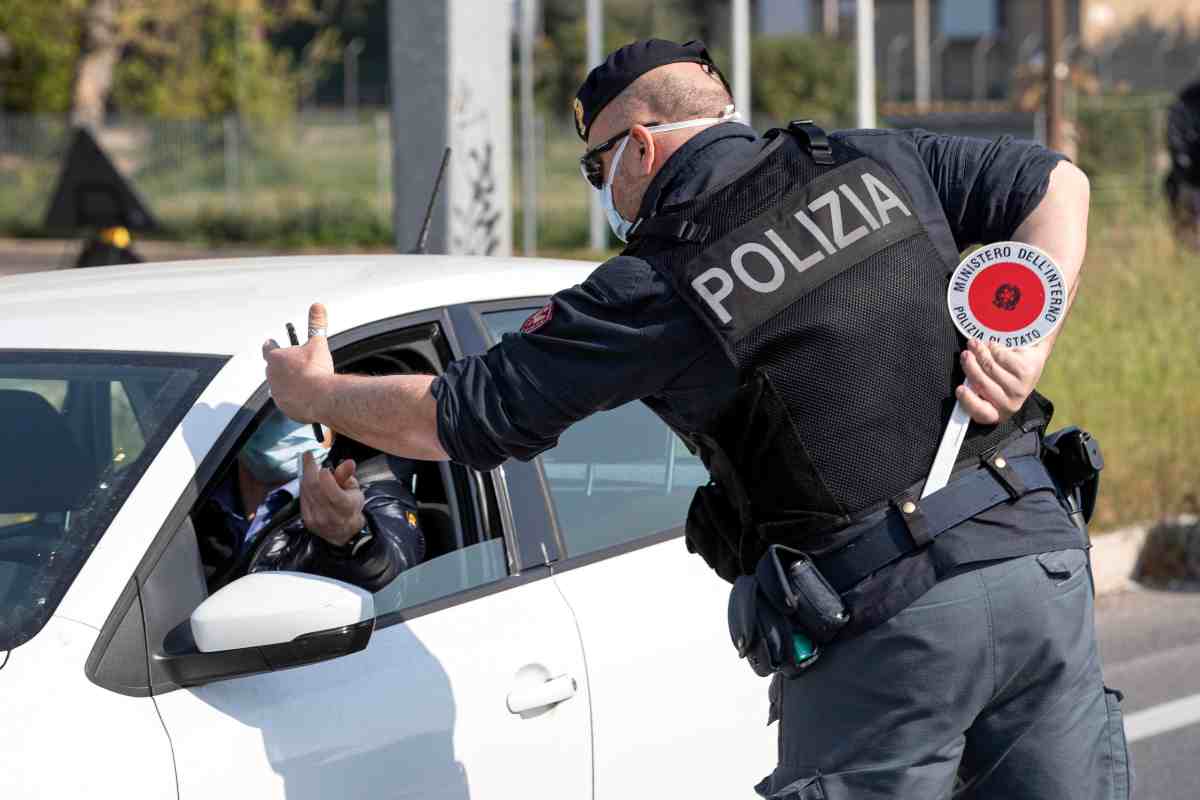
(948, 449)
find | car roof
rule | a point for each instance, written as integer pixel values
(232, 305)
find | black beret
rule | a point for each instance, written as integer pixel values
(626, 65)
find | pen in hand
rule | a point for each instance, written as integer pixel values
(291, 329)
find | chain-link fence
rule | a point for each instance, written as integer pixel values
(1121, 145)
(227, 178)
(325, 177)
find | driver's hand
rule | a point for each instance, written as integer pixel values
(331, 501)
(297, 375)
(1001, 379)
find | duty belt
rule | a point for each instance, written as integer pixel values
(794, 603)
(907, 524)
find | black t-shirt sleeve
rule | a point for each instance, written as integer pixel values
(987, 188)
(619, 336)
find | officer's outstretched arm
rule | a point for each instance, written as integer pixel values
(1002, 378)
(393, 413)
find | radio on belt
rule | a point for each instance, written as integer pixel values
(1010, 293)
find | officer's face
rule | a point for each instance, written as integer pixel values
(637, 164)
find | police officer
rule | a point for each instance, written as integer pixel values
(1183, 181)
(781, 305)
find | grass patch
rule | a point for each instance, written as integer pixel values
(1127, 365)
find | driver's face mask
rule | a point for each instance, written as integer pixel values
(621, 226)
(274, 453)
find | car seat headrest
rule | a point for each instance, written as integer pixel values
(44, 468)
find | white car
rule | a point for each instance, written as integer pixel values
(558, 641)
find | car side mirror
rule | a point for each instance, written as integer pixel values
(268, 621)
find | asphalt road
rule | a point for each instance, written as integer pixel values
(37, 255)
(1150, 646)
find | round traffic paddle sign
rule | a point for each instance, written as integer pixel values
(1008, 292)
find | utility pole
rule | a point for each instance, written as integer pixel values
(350, 75)
(1057, 72)
(865, 35)
(921, 70)
(529, 208)
(830, 16)
(740, 27)
(595, 44)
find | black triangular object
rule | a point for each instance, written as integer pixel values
(92, 194)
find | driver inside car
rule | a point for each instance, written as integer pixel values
(365, 534)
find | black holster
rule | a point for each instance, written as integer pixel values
(1072, 457)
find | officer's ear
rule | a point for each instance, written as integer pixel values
(641, 147)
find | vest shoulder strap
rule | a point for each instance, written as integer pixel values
(814, 140)
(674, 228)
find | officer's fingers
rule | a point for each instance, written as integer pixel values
(996, 382)
(1015, 360)
(318, 320)
(982, 384)
(979, 409)
(268, 346)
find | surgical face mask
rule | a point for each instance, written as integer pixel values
(274, 454)
(621, 226)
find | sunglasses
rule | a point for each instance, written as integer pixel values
(592, 166)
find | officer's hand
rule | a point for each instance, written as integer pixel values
(298, 375)
(331, 501)
(1001, 379)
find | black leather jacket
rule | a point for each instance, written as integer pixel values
(391, 514)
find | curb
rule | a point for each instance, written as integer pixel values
(1161, 555)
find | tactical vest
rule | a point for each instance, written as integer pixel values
(813, 272)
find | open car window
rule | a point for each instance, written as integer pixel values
(462, 550)
(80, 428)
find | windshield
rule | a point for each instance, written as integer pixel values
(78, 430)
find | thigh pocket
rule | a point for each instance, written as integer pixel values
(804, 789)
(1120, 769)
(1065, 568)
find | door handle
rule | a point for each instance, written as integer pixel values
(542, 695)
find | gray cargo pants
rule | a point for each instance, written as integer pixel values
(991, 676)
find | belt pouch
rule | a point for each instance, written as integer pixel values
(794, 585)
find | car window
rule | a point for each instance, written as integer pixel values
(79, 445)
(128, 440)
(616, 476)
(459, 554)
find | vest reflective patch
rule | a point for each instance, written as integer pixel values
(839, 220)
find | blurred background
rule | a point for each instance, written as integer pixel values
(273, 126)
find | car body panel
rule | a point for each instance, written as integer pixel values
(232, 306)
(658, 654)
(421, 713)
(65, 737)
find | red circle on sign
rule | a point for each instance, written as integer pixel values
(1006, 297)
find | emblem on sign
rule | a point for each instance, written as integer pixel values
(1011, 293)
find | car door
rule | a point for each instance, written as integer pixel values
(427, 708)
(675, 713)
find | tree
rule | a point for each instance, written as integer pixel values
(803, 76)
(98, 54)
(39, 71)
(174, 58)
